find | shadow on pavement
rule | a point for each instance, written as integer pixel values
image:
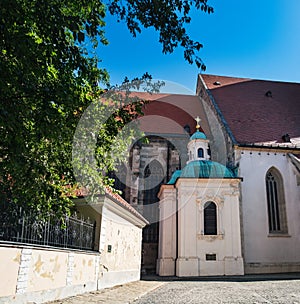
(245, 278)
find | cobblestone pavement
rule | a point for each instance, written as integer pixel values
(122, 294)
(274, 289)
(250, 289)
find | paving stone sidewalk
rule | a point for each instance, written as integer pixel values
(123, 294)
(225, 292)
(249, 289)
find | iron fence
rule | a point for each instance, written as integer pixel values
(71, 232)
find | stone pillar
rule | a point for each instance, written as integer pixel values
(22, 280)
(70, 269)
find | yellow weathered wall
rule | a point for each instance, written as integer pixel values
(33, 274)
(48, 268)
(9, 267)
(125, 241)
(37, 274)
(84, 269)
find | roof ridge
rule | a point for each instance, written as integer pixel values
(250, 78)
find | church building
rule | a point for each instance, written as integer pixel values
(197, 206)
(222, 198)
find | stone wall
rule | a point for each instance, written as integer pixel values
(221, 142)
(39, 275)
(169, 152)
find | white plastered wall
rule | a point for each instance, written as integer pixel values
(190, 252)
(120, 247)
(193, 245)
(264, 252)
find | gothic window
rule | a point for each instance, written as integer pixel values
(153, 175)
(200, 153)
(276, 202)
(210, 218)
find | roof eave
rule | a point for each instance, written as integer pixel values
(267, 147)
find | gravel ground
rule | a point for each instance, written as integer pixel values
(281, 291)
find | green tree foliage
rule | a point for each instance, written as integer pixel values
(48, 79)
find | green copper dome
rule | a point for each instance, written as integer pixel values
(174, 177)
(202, 169)
(206, 169)
(198, 135)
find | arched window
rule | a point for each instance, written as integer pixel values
(210, 218)
(276, 202)
(154, 175)
(200, 153)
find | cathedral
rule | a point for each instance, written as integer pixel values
(222, 193)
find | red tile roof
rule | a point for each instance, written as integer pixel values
(166, 113)
(116, 198)
(257, 111)
(119, 200)
(169, 113)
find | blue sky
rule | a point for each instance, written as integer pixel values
(256, 39)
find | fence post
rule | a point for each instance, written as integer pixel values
(81, 233)
(47, 231)
(66, 232)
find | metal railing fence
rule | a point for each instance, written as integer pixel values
(18, 226)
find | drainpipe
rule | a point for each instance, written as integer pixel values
(176, 257)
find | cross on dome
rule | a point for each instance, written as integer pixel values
(198, 134)
(198, 119)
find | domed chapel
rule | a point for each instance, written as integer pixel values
(199, 216)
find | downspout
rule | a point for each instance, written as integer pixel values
(176, 256)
